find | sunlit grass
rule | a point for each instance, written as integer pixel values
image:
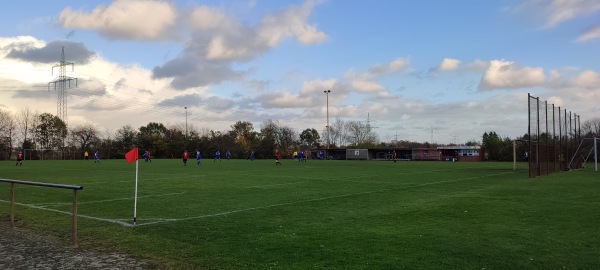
(240, 214)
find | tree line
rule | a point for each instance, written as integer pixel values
(45, 132)
(32, 130)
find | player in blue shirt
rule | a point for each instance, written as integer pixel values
(96, 157)
(147, 156)
(252, 156)
(300, 156)
(198, 157)
(218, 155)
(228, 155)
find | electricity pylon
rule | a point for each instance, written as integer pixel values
(60, 86)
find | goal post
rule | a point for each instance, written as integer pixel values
(584, 151)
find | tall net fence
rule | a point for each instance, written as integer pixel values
(554, 135)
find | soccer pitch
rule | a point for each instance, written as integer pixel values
(240, 214)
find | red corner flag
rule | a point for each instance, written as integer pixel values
(132, 155)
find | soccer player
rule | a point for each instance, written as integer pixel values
(300, 156)
(277, 157)
(185, 157)
(20, 159)
(86, 155)
(96, 157)
(228, 155)
(218, 155)
(198, 157)
(394, 155)
(147, 156)
(252, 156)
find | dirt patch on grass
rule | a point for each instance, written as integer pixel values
(22, 249)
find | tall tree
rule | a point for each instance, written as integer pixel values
(177, 140)
(85, 136)
(339, 136)
(154, 137)
(7, 130)
(26, 121)
(360, 134)
(51, 131)
(310, 137)
(244, 136)
(497, 148)
(125, 139)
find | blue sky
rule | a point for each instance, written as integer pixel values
(441, 71)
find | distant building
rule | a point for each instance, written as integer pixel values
(461, 153)
(426, 154)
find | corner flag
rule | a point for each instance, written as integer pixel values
(132, 155)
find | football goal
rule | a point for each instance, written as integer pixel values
(588, 148)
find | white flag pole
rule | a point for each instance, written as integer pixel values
(135, 196)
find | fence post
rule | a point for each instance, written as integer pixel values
(75, 245)
(12, 205)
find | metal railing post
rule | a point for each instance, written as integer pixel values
(75, 245)
(12, 205)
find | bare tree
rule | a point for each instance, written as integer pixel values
(86, 136)
(7, 130)
(25, 121)
(591, 128)
(339, 132)
(360, 134)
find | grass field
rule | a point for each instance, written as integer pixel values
(319, 215)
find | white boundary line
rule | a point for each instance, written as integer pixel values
(316, 200)
(108, 200)
(158, 220)
(71, 214)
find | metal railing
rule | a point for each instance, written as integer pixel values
(12, 200)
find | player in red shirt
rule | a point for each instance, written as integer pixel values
(277, 157)
(185, 158)
(20, 159)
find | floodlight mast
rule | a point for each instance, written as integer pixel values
(328, 129)
(186, 129)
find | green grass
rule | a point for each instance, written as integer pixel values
(320, 215)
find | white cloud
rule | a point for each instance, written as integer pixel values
(478, 65)
(592, 33)
(125, 19)
(231, 40)
(588, 79)
(396, 65)
(508, 75)
(367, 82)
(208, 18)
(290, 23)
(316, 87)
(557, 101)
(367, 86)
(559, 11)
(448, 64)
(219, 40)
(285, 99)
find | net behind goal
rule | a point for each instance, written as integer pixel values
(554, 135)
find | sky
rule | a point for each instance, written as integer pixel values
(427, 71)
